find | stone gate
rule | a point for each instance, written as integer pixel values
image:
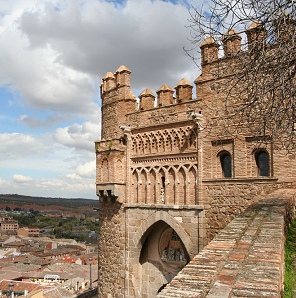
(168, 178)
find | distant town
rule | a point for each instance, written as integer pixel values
(48, 246)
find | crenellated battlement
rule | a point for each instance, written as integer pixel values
(119, 104)
(118, 100)
(116, 86)
(231, 41)
(121, 78)
(112, 83)
(173, 169)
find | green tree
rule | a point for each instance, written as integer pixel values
(25, 219)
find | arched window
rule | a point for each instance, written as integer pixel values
(262, 162)
(225, 160)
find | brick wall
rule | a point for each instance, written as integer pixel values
(159, 165)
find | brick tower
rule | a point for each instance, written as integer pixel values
(151, 217)
(169, 178)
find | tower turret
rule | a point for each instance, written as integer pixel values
(122, 75)
(165, 95)
(147, 99)
(108, 82)
(183, 91)
(209, 50)
(255, 34)
(117, 101)
(231, 43)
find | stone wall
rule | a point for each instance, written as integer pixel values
(147, 272)
(226, 199)
(246, 259)
(160, 166)
(111, 273)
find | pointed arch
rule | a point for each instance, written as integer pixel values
(154, 143)
(183, 138)
(147, 144)
(175, 140)
(181, 191)
(161, 143)
(140, 145)
(143, 231)
(134, 145)
(191, 185)
(162, 186)
(262, 162)
(152, 186)
(119, 170)
(142, 185)
(134, 188)
(171, 186)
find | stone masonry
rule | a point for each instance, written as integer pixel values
(246, 259)
(169, 178)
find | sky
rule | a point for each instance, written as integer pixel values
(53, 55)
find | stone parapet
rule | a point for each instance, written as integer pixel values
(246, 259)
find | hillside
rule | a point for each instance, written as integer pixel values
(39, 203)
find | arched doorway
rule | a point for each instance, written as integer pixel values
(162, 256)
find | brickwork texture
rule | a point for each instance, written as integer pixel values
(170, 177)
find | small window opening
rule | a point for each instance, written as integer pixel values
(163, 182)
(225, 160)
(262, 161)
(162, 190)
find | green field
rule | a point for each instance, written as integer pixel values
(290, 262)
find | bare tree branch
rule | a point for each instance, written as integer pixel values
(259, 37)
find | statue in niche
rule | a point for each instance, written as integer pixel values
(171, 250)
(171, 254)
(182, 256)
(164, 254)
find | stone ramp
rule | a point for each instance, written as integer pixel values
(246, 259)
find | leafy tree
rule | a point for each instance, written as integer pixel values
(58, 232)
(35, 212)
(261, 78)
(25, 219)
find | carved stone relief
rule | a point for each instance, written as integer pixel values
(161, 141)
(163, 116)
(171, 250)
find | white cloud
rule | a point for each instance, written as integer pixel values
(35, 122)
(53, 55)
(87, 169)
(22, 179)
(65, 186)
(94, 37)
(78, 136)
(3, 182)
(73, 177)
(17, 145)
